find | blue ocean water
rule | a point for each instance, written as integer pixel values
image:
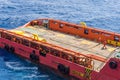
(104, 14)
(14, 68)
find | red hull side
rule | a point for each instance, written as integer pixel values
(53, 61)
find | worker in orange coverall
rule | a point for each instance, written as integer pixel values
(104, 44)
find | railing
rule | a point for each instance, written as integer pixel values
(48, 45)
(85, 32)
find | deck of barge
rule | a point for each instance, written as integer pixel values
(71, 42)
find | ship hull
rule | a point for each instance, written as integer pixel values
(72, 57)
(77, 72)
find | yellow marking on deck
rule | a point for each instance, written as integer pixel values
(60, 35)
(27, 35)
(18, 32)
(77, 73)
(111, 49)
(85, 42)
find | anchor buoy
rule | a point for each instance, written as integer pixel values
(113, 65)
(63, 69)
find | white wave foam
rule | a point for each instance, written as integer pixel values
(15, 66)
(35, 76)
